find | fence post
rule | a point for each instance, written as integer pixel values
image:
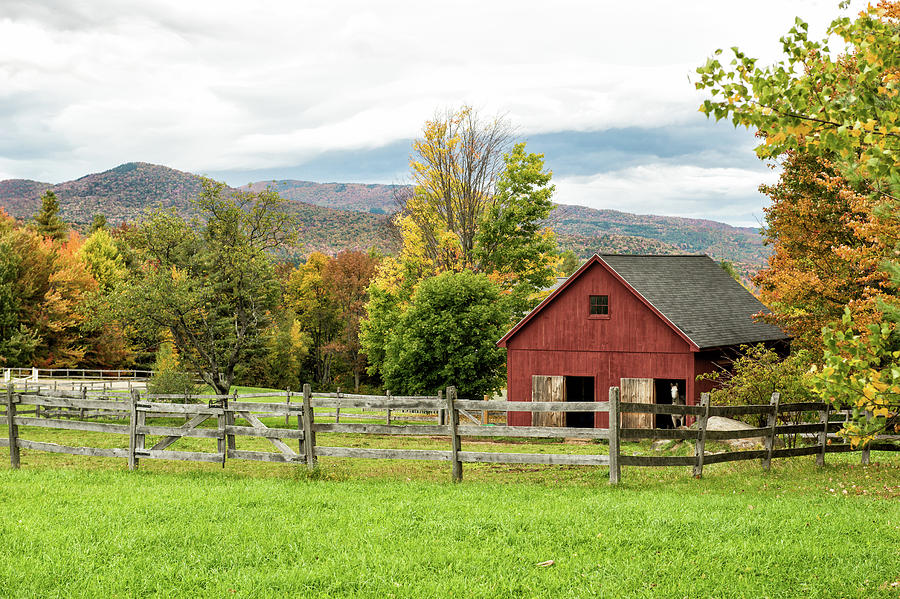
(83, 396)
(823, 436)
(12, 426)
(132, 436)
(229, 421)
(700, 450)
(865, 454)
(770, 437)
(309, 437)
(441, 421)
(337, 409)
(287, 402)
(455, 443)
(388, 417)
(614, 468)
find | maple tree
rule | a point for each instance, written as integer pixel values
(841, 108)
(349, 274)
(309, 295)
(828, 245)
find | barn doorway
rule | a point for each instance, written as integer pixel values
(663, 389)
(580, 388)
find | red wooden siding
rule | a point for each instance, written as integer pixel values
(561, 339)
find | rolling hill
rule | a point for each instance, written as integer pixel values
(336, 216)
(125, 192)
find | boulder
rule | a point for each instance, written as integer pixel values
(719, 423)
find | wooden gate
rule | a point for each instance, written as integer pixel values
(548, 388)
(638, 391)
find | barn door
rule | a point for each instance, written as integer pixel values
(638, 391)
(548, 388)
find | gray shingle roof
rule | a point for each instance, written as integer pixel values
(698, 297)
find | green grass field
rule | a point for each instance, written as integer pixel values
(86, 527)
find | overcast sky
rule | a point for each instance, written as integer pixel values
(336, 90)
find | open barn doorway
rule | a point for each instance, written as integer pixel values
(665, 389)
(580, 388)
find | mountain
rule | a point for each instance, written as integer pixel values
(584, 230)
(576, 226)
(336, 216)
(361, 197)
(125, 192)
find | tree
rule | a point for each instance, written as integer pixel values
(457, 164)
(98, 223)
(447, 337)
(842, 108)
(510, 243)
(310, 296)
(569, 263)
(828, 246)
(102, 257)
(211, 285)
(478, 205)
(47, 221)
(349, 275)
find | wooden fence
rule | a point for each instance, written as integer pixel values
(235, 417)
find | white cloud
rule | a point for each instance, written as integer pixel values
(722, 194)
(227, 84)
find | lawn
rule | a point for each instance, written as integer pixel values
(84, 527)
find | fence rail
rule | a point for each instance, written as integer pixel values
(295, 442)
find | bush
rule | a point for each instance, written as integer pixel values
(758, 373)
(168, 378)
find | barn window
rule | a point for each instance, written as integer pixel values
(599, 305)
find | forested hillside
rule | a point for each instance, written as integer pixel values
(336, 216)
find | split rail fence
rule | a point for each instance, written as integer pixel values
(295, 442)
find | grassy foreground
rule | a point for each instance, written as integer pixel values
(83, 527)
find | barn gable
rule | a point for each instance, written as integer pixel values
(690, 295)
(563, 322)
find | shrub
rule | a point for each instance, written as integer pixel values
(168, 378)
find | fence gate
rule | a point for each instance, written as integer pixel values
(548, 388)
(638, 391)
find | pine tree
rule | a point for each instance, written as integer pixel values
(47, 221)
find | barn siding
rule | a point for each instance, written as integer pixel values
(562, 340)
(607, 368)
(563, 324)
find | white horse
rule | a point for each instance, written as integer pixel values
(677, 400)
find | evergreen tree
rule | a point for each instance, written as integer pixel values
(47, 221)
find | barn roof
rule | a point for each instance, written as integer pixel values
(693, 293)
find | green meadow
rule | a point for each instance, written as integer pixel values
(75, 526)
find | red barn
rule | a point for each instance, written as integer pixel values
(643, 323)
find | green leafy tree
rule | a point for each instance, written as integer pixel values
(17, 342)
(212, 286)
(447, 337)
(479, 203)
(101, 255)
(511, 244)
(47, 221)
(758, 372)
(842, 108)
(569, 263)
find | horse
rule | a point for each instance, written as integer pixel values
(677, 400)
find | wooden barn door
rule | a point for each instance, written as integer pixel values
(548, 388)
(638, 391)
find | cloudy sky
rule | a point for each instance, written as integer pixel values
(336, 90)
